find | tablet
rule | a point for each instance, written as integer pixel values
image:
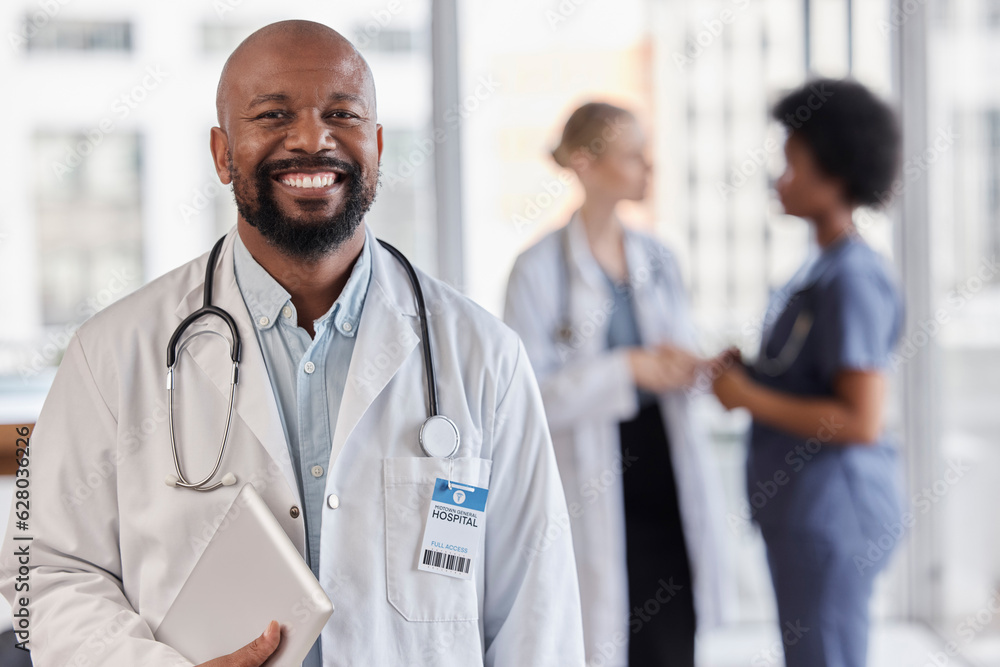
(249, 574)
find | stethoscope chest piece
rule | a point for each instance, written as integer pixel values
(439, 437)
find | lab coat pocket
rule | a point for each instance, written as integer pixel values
(419, 595)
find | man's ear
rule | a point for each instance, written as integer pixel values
(378, 137)
(219, 144)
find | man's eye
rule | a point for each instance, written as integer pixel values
(342, 115)
(267, 115)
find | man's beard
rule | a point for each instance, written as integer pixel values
(306, 240)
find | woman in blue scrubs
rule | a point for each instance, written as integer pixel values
(822, 476)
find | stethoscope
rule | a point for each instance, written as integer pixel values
(564, 330)
(439, 436)
(790, 350)
(776, 365)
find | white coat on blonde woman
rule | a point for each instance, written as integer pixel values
(587, 390)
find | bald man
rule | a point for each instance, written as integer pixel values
(326, 424)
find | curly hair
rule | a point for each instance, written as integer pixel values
(852, 134)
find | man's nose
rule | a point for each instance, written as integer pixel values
(310, 134)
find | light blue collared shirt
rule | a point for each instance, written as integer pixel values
(307, 375)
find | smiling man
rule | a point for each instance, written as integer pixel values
(333, 390)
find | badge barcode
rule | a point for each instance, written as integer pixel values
(446, 561)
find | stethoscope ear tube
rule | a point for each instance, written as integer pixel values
(425, 338)
(439, 436)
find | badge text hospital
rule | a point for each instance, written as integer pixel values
(453, 529)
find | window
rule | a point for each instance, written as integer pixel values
(991, 149)
(386, 41)
(991, 8)
(65, 35)
(962, 165)
(88, 223)
(222, 38)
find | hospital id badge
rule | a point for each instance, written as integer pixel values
(452, 532)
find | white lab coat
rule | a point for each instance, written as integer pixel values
(587, 391)
(113, 544)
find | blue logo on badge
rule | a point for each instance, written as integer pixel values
(465, 496)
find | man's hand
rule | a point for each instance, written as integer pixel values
(662, 368)
(253, 654)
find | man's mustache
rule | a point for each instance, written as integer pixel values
(270, 167)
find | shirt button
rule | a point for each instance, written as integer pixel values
(346, 326)
(263, 321)
(294, 512)
(333, 501)
(317, 471)
(310, 367)
(287, 311)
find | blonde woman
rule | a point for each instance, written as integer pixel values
(604, 317)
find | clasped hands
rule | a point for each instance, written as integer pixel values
(666, 367)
